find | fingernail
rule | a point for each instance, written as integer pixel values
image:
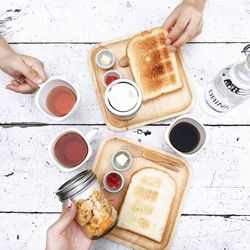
(69, 203)
(168, 41)
(38, 79)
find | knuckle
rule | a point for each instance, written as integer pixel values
(39, 64)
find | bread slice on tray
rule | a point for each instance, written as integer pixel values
(153, 65)
(147, 203)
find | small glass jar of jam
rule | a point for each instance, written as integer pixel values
(95, 214)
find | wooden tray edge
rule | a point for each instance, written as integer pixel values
(178, 216)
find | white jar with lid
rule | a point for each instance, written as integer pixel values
(95, 214)
(123, 98)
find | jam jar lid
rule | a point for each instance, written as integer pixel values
(76, 185)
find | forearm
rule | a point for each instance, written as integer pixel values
(5, 49)
(198, 3)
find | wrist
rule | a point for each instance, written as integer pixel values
(4, 56)
(5, 49)
(199, 4)
(7, 53)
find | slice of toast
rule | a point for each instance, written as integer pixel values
(153, 65)
(147, 203)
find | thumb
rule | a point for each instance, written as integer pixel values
(67, 216)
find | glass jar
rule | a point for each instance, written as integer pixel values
(95, 215)
(229, 88)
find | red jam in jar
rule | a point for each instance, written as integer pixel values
(113, 181)
(109, 79)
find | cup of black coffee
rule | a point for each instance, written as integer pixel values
(186, 136)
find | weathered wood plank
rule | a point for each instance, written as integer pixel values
(193, 233)
(219, 183)
(203, 61)
(88, 21)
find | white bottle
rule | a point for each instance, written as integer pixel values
(229, 88)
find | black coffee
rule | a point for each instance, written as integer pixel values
(185, 137)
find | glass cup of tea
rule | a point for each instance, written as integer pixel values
(71, 149)
(57, 98)
(186, 136)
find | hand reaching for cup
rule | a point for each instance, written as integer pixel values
(28, 72)
(65, 233)
(184, 23)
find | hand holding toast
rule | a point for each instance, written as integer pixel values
(184, 23)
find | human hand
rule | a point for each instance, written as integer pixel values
(184, 23)
(65, 233)
(28, 72)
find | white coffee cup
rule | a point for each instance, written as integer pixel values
(87, 138)
(44, 90)
(198, 125)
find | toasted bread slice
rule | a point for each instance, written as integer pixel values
(147, 203)
(153, 65)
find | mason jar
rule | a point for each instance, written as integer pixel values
(95, 215)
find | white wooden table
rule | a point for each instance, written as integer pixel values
(216, 214)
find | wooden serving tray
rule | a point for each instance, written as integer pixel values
(160, 108)
(102, 164)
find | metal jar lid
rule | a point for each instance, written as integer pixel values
(76, 185)
(248, 61)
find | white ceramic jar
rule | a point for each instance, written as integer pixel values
(123, 99)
